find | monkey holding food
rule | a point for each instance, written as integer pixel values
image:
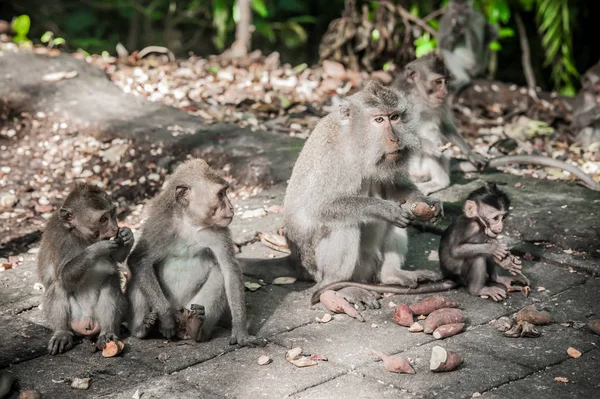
(183, 269)
(77, 265)
(467, 256)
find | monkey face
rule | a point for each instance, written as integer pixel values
(385, 126)
(208, 205)
(490, 217)
(436, 89)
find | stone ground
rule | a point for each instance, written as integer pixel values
(556, 223)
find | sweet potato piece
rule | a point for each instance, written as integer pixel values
(334, 302)
(443, 360)
(533, 316)
(432, 303)
(448, 330)
(423, 211)
(415, 327)
(403, 315)
(594, 325)
(395, 364)
(113, 348)
(441, 317)
(30, 394)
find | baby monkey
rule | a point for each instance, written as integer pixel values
(77, 264)
(466, 254)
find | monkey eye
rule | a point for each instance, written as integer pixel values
(394, 117)
(497, 218)
(379, 119)
(103, 219)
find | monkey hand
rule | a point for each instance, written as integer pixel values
(105, 339)
(479, 161)
(499, 251)
(401, 217)
(168, 323)
(102, 248)
(512, 264)
(60, 342)
(126, 236)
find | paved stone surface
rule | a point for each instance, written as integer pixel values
(562, 279)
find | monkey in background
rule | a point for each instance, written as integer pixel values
(343, 218)
(185, 262)
(464, 37)
(466, 254)
(424, 79)
(586, 113)
(77, 265)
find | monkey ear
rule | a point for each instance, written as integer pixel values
(411, 75)
(344, 111)
(65, 215)
(471, 209)
(182, 194)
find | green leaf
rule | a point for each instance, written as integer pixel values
(293, 34)
(21, 25)
(434, 23)
(266, 30)
(58, 41)
(235, 12)
(387, 65)
(375, 35)
(506, 32)
(46, 37)
(260, 8)
(495, 46)
(304, 19)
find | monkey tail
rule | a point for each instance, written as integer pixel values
(586, 180)
(437, 286)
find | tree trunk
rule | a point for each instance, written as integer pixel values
(243, 30)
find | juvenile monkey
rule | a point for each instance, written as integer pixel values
(586, 114)
(466, 254)
(184, 261)
(464, 38)
(77, 265)
(343, 218)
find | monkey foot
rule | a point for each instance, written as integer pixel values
(150, 320)
(60, 342)
(496, 293)
(506, 281)
(105, 338)
(360, 298)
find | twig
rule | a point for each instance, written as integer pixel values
(434, 14)
(526, 57)
(416, 20)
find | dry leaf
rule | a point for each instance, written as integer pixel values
(275, 242)
(561, 379)
(252, 286)
(574, 353)
(56, 76)
(80, 383)
(294, 356)
(284, 280)
(326, 318)
(264, 360)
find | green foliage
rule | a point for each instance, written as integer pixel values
(424, 44)
(21, 26)
(554, 25)
(51, 41)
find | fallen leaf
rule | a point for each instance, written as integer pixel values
(275, 242)
(6, 266)
(540, 289)
(284, 280)
(388, 294)
(80, 383)
(326, 318)
(561, 379)
(574, 353)
(56, 76)
(294, 356)
(264, 360)
(252, 286)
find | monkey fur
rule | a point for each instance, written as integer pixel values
(184, 267)
(77, 265)
(344, 216)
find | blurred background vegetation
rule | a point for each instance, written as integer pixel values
(562, 34)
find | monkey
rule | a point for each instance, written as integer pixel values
(425, 80)
(183, 269)
(466, 256)
(586, 114)
(77, 265)
(344, 217)
(464, 37)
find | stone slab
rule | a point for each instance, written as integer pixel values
(21, 340)
(580, 303)
(582, 374)
(16, 287)
(163, 387)
(238, 375)
(479, 372)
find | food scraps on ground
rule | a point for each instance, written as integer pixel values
(574, 353)
(561, 379)
(432, 303)
(403, 315)
(113, 348)
(443, 316)
(30, 394)
(80, 383)
(295, 357)
(448, 330)
(264, 360)
(534, 316)
(444, 360)
(415, 327)
(522, 329)
(336, 303)
(395, 363)
(326, 318)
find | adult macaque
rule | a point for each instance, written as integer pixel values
(343, 217)
(77, 264)
(425, 81)
(183, 268)
(466, 254)
(586, 113)
(464, 38)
